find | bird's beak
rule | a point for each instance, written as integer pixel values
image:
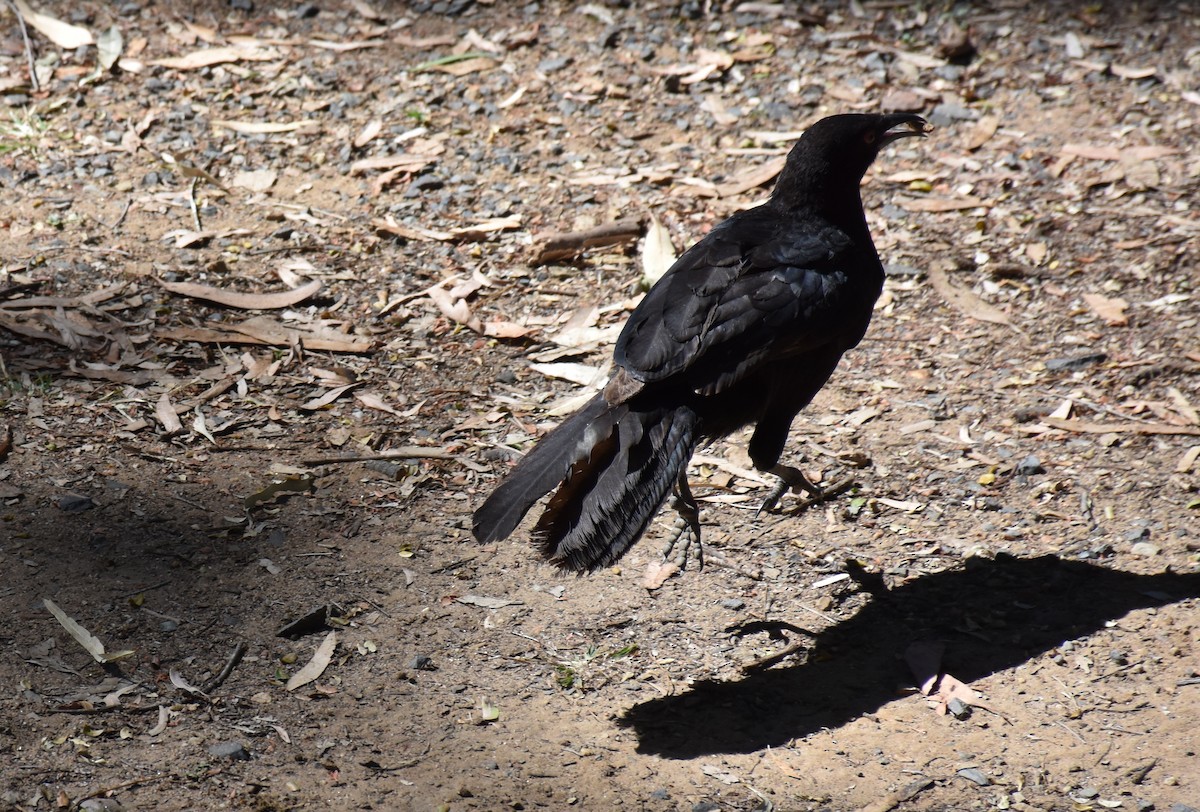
(907, 128)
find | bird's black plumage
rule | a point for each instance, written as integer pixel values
(744, 328)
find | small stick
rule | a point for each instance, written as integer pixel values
(33, 80)
(239, 651)
(408, 452)
(569, 244)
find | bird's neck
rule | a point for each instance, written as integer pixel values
(839, 204)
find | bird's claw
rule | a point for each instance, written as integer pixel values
(790, 479)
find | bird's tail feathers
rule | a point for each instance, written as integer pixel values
(540, 470)
(609, 496)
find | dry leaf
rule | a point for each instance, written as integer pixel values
(166, 415)
(64, 35)
(1111, 310)
(374, 401)
(265, 330)
(177, 679)
(244, 301)
(82, 636)
(327, 398)
(657, 573)
(965, 301)
(256, 180)
(982, 132)
(936, 204)
(207, 57)
(355, 45)
(265, 127)
(315, 667)
(404, 162)
(658, 254)
(506, 329)
(368, 134)
(1130, 427)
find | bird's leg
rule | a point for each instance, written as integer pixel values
(688, 524)
(789, 479)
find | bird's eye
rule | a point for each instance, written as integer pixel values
(869, 137)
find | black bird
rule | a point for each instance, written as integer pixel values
(744, 328)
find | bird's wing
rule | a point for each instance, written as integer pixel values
(751, 291)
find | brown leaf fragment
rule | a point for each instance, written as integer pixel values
(404, 162)
(244, 301)
(455, 309)
(353, 45)
(327, 398)
(166, 415)
(374, 401)
(936, 204)
(965, 301)
(265, 330)
(1111, 310)
(464, 67)
(894, 799)
(1126, 427)
(506, 329)
(62, 34)
(1188, 461)
(752, 180)
(1130, 72)
(315, 667)
(982, 132)
(368, 133)
(207, 57)
(657, 573)
(569, 244)
(266, 127)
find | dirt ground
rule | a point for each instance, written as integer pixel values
(188, 436)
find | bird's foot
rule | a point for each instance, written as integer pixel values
(687, 526)
(790, 479)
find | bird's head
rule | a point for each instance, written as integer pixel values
(833, 154)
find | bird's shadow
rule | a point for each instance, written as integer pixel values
(992, 615)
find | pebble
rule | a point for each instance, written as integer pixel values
(1145, 549)
(945, 114)
(1029, 466)
(975, 776)
(1076, 362)
(232, 750)
(733, 603)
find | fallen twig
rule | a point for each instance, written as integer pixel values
(239, 651)
(569, 244)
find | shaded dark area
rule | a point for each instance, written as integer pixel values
(993, 614)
